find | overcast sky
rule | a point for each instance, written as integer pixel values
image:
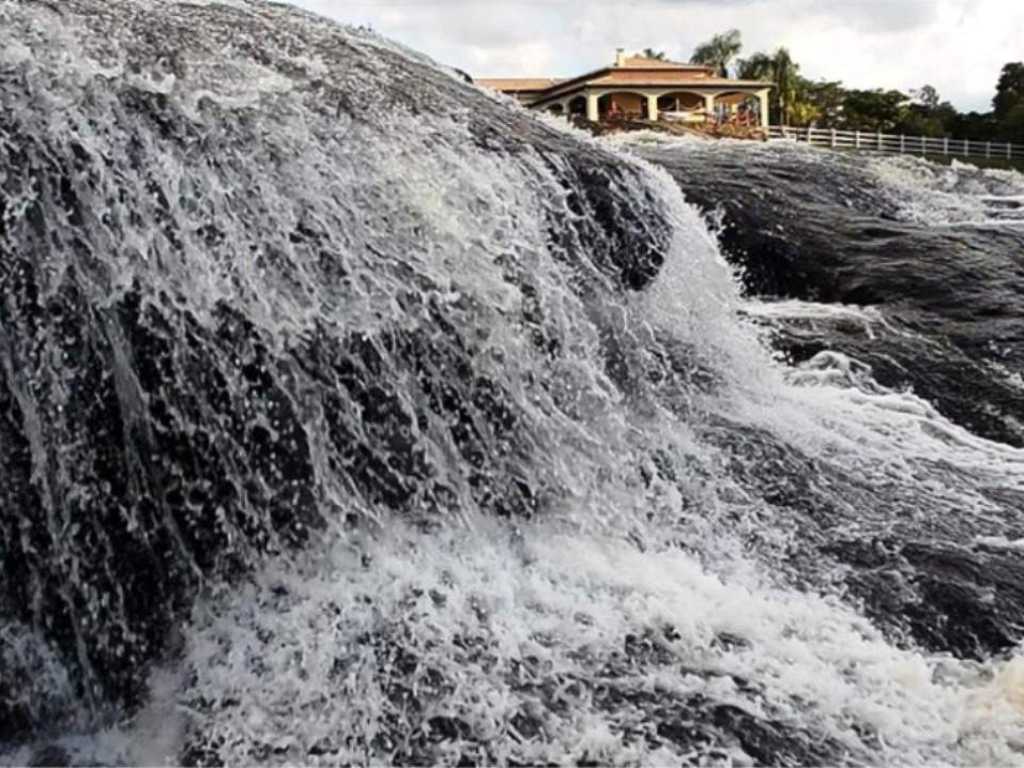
(958, 46)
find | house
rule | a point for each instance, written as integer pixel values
(644, 89)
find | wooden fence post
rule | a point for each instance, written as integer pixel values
(833, 138)
(856, 139)
(1009, 148)
(967, 150)
(879, 137)
(988, 149)
(903, 143)
(945, 145)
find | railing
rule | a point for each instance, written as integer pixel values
(868, 141)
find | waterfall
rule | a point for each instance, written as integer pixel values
(349, 413)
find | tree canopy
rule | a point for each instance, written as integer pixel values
(780, 69)
(1009, 89)
(719, 51)
(796, 100)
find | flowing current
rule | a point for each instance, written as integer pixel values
(350, 414)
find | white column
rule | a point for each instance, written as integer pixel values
(592, 114)
(652, 107)
(709, 105)
(762, 100)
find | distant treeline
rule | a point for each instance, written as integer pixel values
(798, 101)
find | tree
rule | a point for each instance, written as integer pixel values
(719, 51)
(826, 97)
(650, 53)
(1012, 127)
(757, 67)
(926, 96)
(1009, 89)
(804, 113)
(927, 115)
(785, 71)
(874, 110)
(974, 126)
(781, 70)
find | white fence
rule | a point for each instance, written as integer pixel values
(898, 144)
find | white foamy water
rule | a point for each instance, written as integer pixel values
(960, 194)
(867, 318)
(510, 630)
(654, 585)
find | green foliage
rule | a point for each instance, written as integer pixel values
(785, 77)
(797, 101)
(975, 126)
(757, 67)
(1013, 123)
(1009, 89)
(719, 51)
(874, 110)
(819, 103)
(927, 96)
(779, 69)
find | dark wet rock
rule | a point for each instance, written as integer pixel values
(49, 756)
(916, 577)
(943, 596)
(34, 685)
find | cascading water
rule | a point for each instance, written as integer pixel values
(349, 414)
(933, 251)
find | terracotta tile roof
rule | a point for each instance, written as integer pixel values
(639, 62)
(617, 77)
(506, 84)
(729, 81)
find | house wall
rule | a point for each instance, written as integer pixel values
(629, 102)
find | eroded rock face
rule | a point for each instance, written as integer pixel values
(250, 266)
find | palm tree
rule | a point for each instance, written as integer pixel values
(650, 53)
(757, 67)
(784, 70)
(781, 70)
(719, 51)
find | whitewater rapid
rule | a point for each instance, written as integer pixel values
(356, 415)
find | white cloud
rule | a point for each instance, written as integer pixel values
(958, 46)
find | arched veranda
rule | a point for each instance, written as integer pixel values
(628, 105)
(684, 106)
(737, 107)
(681, 101)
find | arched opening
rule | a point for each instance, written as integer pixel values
(682, 106)
(738, 108)
(556, 109)
(622, 105)
(578, 106)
